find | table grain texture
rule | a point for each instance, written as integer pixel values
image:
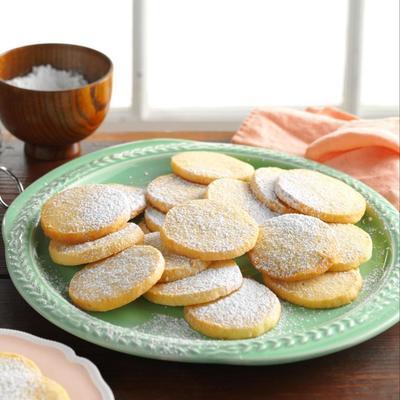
(367, 371)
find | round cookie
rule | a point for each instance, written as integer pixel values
(88, 252)
(53, 390)
(294, 247)
(208, 230)
(236, 193)
(20, 378)
(262, 185)
(332, 289)
(205, 166)
(176, 266)
(142, 225)
(321, 196)
(168, 191)
(136, 197)
(249, 312)
(84, 213)
(354, 247)
(117, 280)
(220, 279)
(154, 219)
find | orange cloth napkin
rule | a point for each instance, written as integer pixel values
(366, 149)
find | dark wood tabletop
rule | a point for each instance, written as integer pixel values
(367, 371)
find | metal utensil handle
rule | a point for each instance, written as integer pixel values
(17, 183)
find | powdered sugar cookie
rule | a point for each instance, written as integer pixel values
(136, 197)
(354, 247)
(53, 390)
(332, 289)
(205, 166)
(142, 225)
(20, 378)
(321, 196)
(88, 252)
(176, 266)
(208, 230)
(220, 279)
(294, 247)
(168, 191)
(117, 280)
(262, 185)
(154, 219)
(84, 213)
(248, 312)
(236, 193)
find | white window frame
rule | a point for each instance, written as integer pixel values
(139, 117)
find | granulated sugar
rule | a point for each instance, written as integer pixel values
(46, 77)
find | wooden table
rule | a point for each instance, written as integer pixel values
(367, 371)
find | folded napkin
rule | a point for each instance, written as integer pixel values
(366, 149)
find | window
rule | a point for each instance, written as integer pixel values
(203, 64)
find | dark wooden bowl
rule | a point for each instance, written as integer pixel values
(51, 123)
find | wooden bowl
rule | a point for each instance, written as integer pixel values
(51, 123)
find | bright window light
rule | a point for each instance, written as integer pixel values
(380, 54)
(244, 53)
(105, 25)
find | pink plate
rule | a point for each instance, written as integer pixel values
(80, 377)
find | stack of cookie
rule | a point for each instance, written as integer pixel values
(296, 227)
(21, 378)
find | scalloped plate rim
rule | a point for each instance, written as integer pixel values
(297, 355)
(70, 356)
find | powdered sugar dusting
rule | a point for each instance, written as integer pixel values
(135, 197)
(130, 231)
(85, 208)
(17, 380)
(354, 245)
(246, 307)
(319, 192)
(168, 327)
(263, 184)
(168, 191)
(154, 218)
(226, 275)
(236, 193)
(116, 275)
(208, 226)
(181, 266)
(293, 243)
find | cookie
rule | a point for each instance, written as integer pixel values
(248, 312)
(220, 279)
(117, 280)
(205, 166)
(354, 247)
(208, 230)
(53, 390)
(20, 378)
(136, 197)
(168, 191)
(332, 289)
(176, 266)
(88, 252)
(154, 219)
(142, 225)
(236, 193)
(84, 213)
(294, 247)
(321, 196)
(262, 185)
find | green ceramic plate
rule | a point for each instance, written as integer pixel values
(148, 330)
